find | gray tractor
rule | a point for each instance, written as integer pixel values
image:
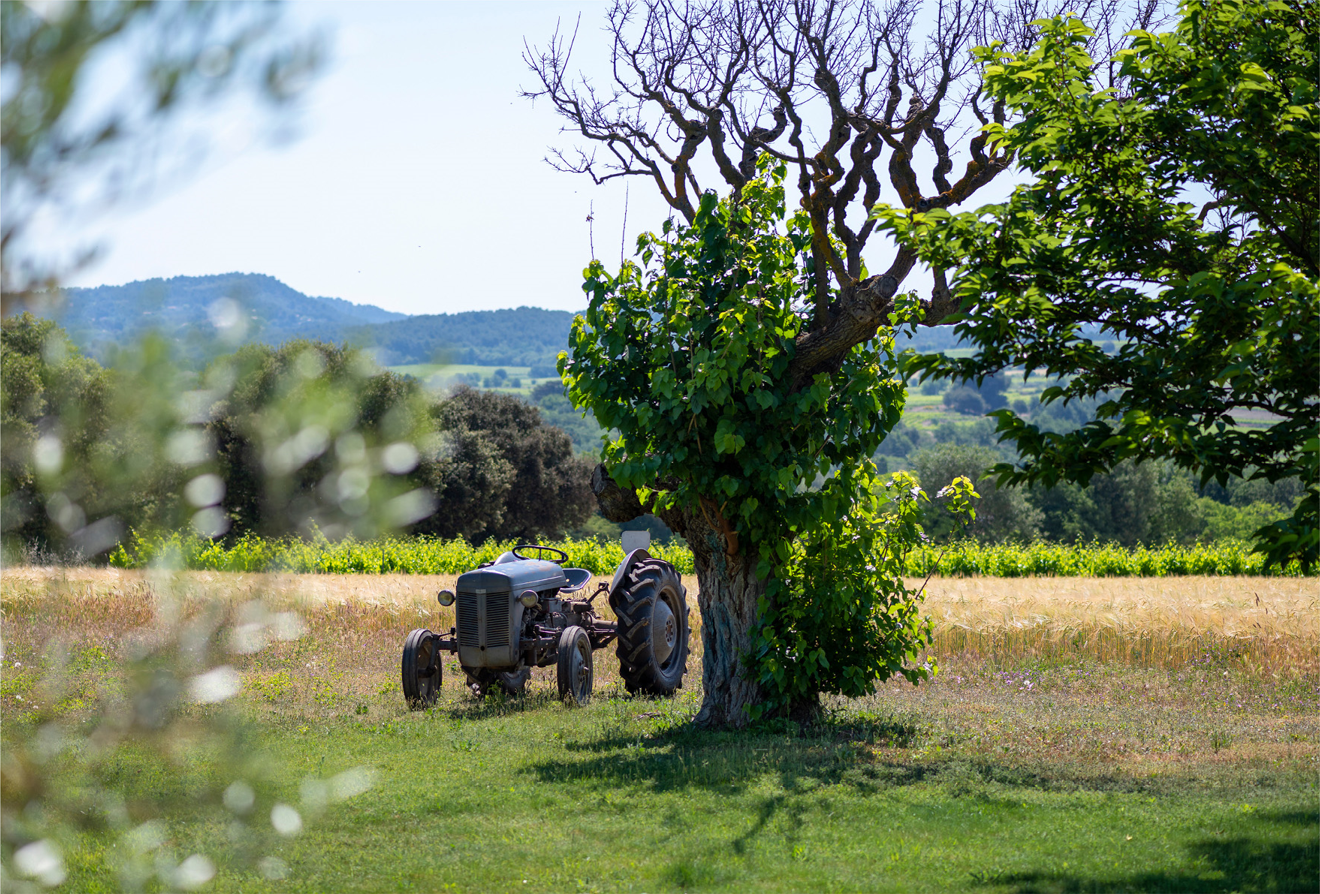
(523, 611)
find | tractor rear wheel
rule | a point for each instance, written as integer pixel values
(653, 628)
(575, 665)
(420, 690)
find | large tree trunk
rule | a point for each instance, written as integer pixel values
(728, 601)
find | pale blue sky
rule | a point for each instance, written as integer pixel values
(417, 182)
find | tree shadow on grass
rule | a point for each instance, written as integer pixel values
(733, 762)
(1304, 818)
(1232, 865)
(687, 757)
(869, 756)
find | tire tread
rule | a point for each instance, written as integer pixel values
(644, 584)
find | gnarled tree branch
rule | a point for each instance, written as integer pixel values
(745, 77)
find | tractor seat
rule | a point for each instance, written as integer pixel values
(577, 579)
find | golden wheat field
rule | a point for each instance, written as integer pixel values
(1123, 671)
(1272, 622)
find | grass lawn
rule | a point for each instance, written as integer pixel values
(537, 797)
(1019, 769)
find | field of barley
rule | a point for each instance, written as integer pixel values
(1267, 625)
(1026, 614)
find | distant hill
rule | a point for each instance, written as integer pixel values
(934, 339)
(182, 306)
(928, 340)
(98, 317)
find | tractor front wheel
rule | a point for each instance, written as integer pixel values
(419, 689)
(575, 665)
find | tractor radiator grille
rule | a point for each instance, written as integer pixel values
(496, 609)
(498, 606)
(467, 610)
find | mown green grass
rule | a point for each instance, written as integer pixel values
(537, 797)
(425, 555)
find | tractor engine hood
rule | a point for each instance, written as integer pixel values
(488, 613)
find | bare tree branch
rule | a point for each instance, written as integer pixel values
(740, 78)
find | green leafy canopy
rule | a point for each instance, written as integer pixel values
(686, 357)
(1176, 213)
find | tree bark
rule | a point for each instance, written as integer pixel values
(728, 601)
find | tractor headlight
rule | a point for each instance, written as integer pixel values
(445, 597)
(529, 598)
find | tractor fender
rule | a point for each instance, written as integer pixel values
(621, 573)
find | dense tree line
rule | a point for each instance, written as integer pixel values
(497, 466)
(499, 471)
(272, 440)
(1135, 503)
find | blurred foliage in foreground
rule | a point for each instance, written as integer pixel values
(129, 759)
(104, 102)
(88, 451)
(428, 555)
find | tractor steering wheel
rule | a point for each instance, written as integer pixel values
(540, 552)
